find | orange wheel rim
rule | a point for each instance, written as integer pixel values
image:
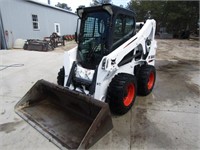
(151, 81)
(130, 94)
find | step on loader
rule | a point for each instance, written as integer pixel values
(112, 64)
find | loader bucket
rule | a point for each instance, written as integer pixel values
(69, 119)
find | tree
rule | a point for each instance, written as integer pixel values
(176, 16)
(99, 2)
(63, 6)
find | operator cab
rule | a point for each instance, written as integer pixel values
(103, 28)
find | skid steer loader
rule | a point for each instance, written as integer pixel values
(112, 63)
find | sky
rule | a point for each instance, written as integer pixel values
(75, 3)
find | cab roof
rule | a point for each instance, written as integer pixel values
(110, 8)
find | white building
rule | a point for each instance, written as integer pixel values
(26, 19)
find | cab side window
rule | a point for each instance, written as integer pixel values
(129, 25)
(118, 29)
(123, 29)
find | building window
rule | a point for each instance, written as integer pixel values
(35, 22)
(57, 28)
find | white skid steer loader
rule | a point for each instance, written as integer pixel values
(112, 63)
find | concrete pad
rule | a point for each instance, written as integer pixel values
(15, 133)
(34, 66)
(155, 129)
(168, 118)
(15, 82)
(119, 136)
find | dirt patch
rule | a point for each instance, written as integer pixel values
(10, 126)
(194, 88)
(178, 65)
(143, 130)
(182, 49)
(175, 84)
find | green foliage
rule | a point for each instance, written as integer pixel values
(176, 16)
(63, 6)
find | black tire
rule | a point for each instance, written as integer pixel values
(121, 93)
(146, 80)
(60, 77)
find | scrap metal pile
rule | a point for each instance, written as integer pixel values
(49, 43)
(38, 45)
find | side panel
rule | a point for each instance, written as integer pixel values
(104, 78)
(69, 58)
(108, 67)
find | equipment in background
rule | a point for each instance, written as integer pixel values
(38, 45)
(48, 44)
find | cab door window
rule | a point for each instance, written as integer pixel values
(118, 29)
(123, 29)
